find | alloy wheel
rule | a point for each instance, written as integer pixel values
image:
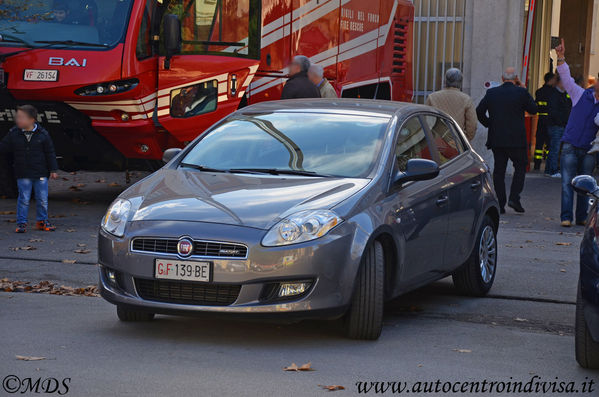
(487, 253)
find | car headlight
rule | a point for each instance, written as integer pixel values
(116, 217)
(301, 226)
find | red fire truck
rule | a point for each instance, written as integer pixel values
(119, 81)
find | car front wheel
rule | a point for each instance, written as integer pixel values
(364, 319)
(133, 315)
(476, 276)
(587, 350)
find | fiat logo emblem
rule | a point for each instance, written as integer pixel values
(185, 247)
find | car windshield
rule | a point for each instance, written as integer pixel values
(285, 142)
(73, 23)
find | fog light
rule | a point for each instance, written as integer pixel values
(100, 89)
(293, 289)
(125, 116)
(112, 88)
(111, 276)
(144, 148)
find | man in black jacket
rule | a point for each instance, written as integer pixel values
(299, 85)
(506, 106)
(560, 106)
(34, 161)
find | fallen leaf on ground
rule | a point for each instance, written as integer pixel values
(562, 270)
(35, 240)
(29, 358)
(113, 184)
(82, 251)
(70, 230)
(306, 367)
(564, 244)
(81, 245)
(64, 178)
(11, 221)
(462, 350)
(58, 216)
(332, 387)
(521, 320)
(74, 189)
(7, 212)
(47, 287)
(70, 261)
(101, 181)
(25, 248)
(80, 185)
(292, 367)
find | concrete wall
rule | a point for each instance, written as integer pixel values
(493, 40)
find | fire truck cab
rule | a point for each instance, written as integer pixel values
(116, 82)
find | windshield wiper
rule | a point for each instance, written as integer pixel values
(276, 171)
(70, 43)
(201, 167)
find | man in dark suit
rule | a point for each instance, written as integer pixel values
(506, 105)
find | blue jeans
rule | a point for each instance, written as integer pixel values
(40, 187)
(555, 137)
(574, 161)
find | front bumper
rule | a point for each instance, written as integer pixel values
(330, 263)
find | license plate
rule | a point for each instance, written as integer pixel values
(182, 270)
(40, 75)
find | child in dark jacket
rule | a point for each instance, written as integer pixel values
(34, 161)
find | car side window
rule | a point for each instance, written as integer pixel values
(447, 144)
(411, 143)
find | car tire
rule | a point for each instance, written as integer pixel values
(364, 319)
(476, 276)
(587, 350)
(133, 315)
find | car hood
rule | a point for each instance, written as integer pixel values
(238, 199)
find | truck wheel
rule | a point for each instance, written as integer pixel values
(587, 350)
(133, 315)
(8, 183)
(476, 276)
(364, 320)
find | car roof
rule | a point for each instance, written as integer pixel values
(340, 106)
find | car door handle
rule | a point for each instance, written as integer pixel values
(441, 201)
(475, 185)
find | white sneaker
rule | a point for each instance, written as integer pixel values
(556, 175)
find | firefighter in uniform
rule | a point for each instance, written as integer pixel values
(542, 97)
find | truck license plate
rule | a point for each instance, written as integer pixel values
(182, 270)
(40, 75)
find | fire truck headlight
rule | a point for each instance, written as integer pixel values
(108, 88)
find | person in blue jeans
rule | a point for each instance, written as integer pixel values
(558, 112)
(577, 140)
(34, 161)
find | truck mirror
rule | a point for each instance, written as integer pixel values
(172, 37)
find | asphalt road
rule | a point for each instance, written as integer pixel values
(523, 329)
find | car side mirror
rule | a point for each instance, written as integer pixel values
(417, 170)
(170, 154)
(172, 38)
(586, 184)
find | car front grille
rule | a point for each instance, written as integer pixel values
(201, 248)
(188, 293)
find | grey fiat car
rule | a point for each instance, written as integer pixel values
(305, 208)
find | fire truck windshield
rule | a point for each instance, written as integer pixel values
(74, 23)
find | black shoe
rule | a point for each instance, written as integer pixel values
(502, 210)
(515, 206)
